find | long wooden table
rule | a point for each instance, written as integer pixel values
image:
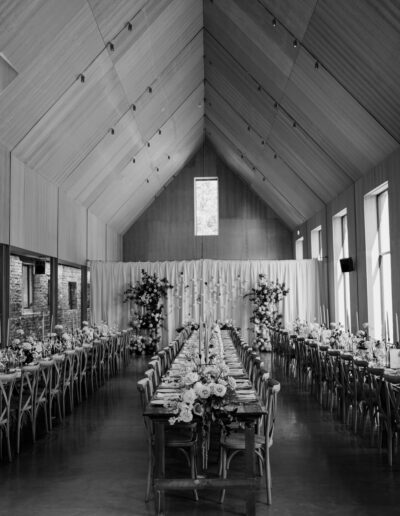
(247, 412)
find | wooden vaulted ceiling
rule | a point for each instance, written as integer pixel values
(111, 98)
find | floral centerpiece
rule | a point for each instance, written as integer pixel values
(265, 297)
(147, 295)
(26, 348)
(206, 391)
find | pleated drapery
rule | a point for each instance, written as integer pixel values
(208, 288)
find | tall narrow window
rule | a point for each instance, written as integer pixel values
(342, 279)
(384, 262)
(27, 286)
(205, 206)
(300, 248)
(378, 258)
(316, 243)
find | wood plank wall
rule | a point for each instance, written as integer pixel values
(38, 217)
(249, 229)
(5, 174)
(353, 200)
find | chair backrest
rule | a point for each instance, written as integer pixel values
(152, 380)
(44, 381)
(156, 365)
(7, 382)
(143, 387)
(272, 389)
(28, 386)
(392, 390)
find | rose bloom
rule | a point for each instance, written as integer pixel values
(219, 390)
(39, 347)
(202, 390)
(189, 396)
(186, 414)
(20, 331)
(27, 346)
(190, 378)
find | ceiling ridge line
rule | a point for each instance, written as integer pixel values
(144, 181)
(133, 105)
(280, 108)
(270, 146)
(253, 167)
(144, 145)
(320, 64)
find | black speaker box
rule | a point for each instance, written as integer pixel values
(346, 264)
(40, 267)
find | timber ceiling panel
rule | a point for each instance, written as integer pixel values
(359, 44)
(300, 97)
(48, 43)
(112, 17)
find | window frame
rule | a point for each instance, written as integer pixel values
(195, 181)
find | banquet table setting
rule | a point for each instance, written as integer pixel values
(217, 380)
(42, 380)
(353, 376)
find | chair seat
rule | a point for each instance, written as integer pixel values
(179, 437)
(236, 441)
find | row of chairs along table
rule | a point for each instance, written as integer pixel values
(45, 392)
(364, 395)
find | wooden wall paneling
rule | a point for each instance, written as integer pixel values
(295, 13)
(247, 32)
(114, 245)
(49, 44)
(75, 124)
(248, 228)
(105, 163)
(5, 171)
(34, 210)
(111, 17)
(148, 159)
(160, 31)
(272, 196)
(96, 238)
(72, 230)
(132, 209)
(362, 36)
(176, 83)
(237, 88)
(276, 171)
(309, 161)
(328, 112)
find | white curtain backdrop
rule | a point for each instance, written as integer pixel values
(208, 288)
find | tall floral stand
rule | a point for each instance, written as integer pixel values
(262, 340)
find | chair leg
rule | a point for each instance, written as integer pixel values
(223, 472)
(268, 476)
(8, 443)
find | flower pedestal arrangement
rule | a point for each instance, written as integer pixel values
(265, 298)
(148, 315)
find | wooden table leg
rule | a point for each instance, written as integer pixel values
(250, 467)
(159, 470)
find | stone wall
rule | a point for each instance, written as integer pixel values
(29, 319)
(37, 316)
(69, 317)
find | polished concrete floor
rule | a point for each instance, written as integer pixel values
(94, 464)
